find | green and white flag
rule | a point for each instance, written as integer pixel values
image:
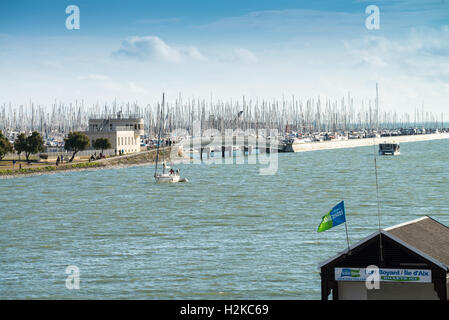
(333, 218)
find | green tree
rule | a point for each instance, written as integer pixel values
(76, 141)
(20, 144)
(34, 144)
(5, 145)
(102, 143)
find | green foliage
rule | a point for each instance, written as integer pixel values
(86, 165)
(5, 145)
(35, 144)
(4, 172)
(76, 141)
(20, 144)
(30, 145)
(102, 143)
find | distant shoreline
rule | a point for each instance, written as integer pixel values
(364, 142)
(148, 157)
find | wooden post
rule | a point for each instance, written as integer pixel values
(245, 145)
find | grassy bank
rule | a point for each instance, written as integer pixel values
(47, 169)
(137, 158)
(125, 160)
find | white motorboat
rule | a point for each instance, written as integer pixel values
(389, 149)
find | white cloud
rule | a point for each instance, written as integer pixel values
(433, 41)
(154, 48)
(245, 55)
(423, 53)
(194, 53)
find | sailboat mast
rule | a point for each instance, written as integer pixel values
(163, 125)
(159, 136)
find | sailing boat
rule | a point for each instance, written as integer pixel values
(171, 176)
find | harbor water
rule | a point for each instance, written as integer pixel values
(229, 233)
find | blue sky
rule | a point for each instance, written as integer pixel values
(134, 50)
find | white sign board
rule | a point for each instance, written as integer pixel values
(386, 275)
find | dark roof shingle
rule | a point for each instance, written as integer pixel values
(426, 235)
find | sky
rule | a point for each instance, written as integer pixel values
(135, 50)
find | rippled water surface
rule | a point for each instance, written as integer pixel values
(229, 233)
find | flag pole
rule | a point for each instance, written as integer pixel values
(346, 229)
(378, 213)
(377, 183)
(347, 235)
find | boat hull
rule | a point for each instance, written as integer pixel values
(392, 149)
(389, 153)
(167, 178)
(290, 147)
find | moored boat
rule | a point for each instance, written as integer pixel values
(172, 176)
(167, 177)
(389, 149)
(288, 145)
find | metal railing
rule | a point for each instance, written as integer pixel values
(113, 129)
(122, 116)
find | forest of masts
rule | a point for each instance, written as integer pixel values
(304, 116)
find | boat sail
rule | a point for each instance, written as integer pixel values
(171, 176)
